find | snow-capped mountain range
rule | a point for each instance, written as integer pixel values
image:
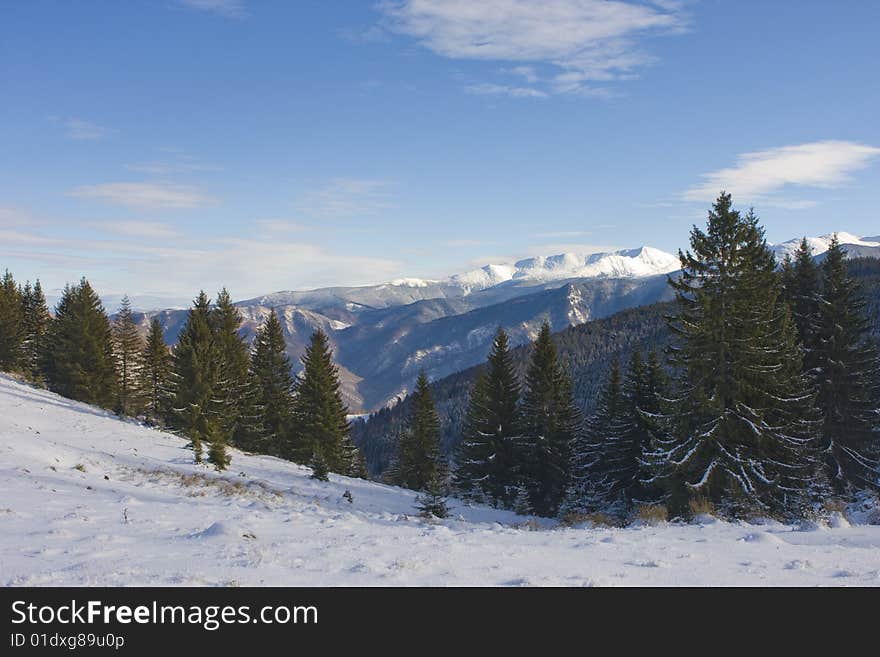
(384, 334)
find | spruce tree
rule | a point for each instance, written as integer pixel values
(432, 502)
(474, 453)
(155, 372)
(550, 424)
(743, 435)
(487, 453)
(11, 323)
(848, 379)
(602, 461)
(418, 456)
(800, 285)
(268, 414)
(231, 352)
(320, 415)
(35, 325)
(194, 377)
(128, 346)
(80, 360)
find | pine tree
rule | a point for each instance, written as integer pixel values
(418, 456)
(269, 398)
(602, 463)
(848, 378)
(432, 502)
(652, 419)
(194, 377)
(128, 347)
(522, 503)
(743, 435)
(155, 371)
(800, 285)
(80, 361)
(35, 325)
(475, 451)
(487, 453)
(550, 424)
(217, 454)
(11, 324)
(231, 352)
(320, 415)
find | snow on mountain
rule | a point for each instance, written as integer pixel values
(628, 263)
(92, 500)
(820, 245)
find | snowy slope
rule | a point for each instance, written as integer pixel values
(92, 500)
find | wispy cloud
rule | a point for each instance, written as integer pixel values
(147, 229)
(567, 45)
(145, 195)
(182, 267)
(170, 168)
(80, 129)
(346, 197)
(757, 176)
(228, 8)
(490, 89)
(562, 234)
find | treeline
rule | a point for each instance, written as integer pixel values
(211, 387)
(767, 400)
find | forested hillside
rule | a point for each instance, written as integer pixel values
(587, 350)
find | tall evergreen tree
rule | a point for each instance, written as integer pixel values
(155, 372)
(487, 453)
(601, 461)
(848, 378)
(418, 461)
(128, 346)
(800, 285)
(231, 352)
(743, 435)
(194, 377)
(11, 323)
(320, 415)
(80, 361)
(35, 325)
(268, 414)
(550, 424)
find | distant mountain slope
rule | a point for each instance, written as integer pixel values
(587, 350)
(382, 335)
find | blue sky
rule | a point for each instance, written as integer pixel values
(161, 146)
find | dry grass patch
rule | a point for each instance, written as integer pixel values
(652, 514)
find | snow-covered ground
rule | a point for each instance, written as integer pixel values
(87, 499)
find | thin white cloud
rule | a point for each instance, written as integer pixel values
(562, 234)
(571, 247)
(147, 229)
(228, 8)
(181, 267)
(145, 195)
(760, 174)
(346, 197)
(566, 44)
(490, 89)
(80, 129)
(170, 168)
(85, 130)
